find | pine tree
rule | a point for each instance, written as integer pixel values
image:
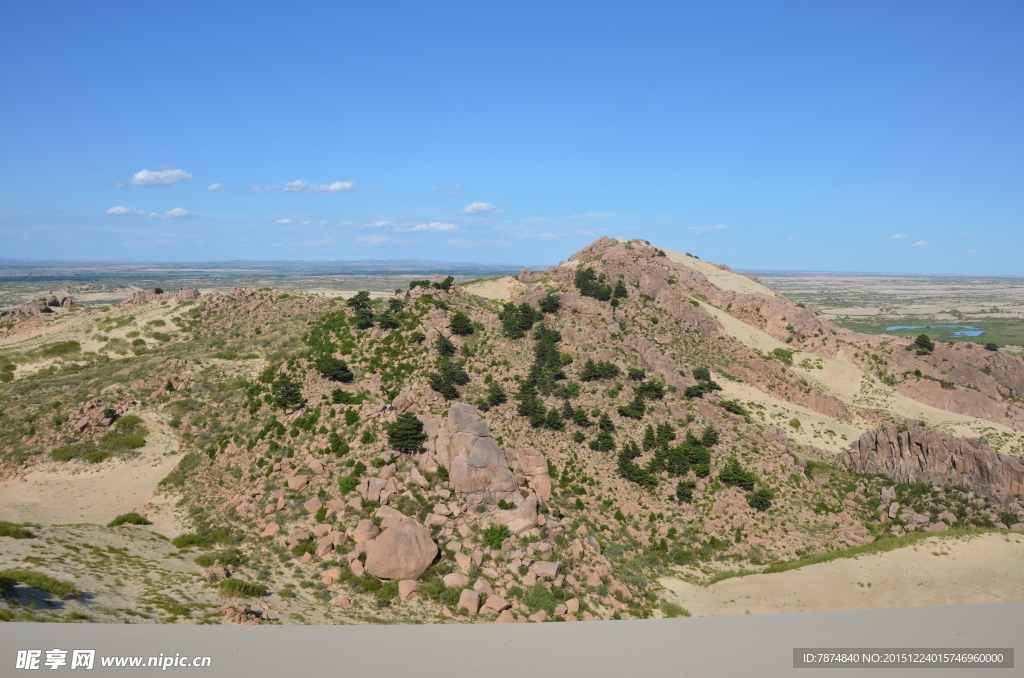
(461, 324)
(406, 433)
(361, 300)
(445, 348)
(496, 394)
(650, 441)
(286, 393)
(334, 369)
(550, 303)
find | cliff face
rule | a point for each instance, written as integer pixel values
(911, 453)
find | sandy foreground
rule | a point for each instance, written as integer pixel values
(78, 492)
(940, 571)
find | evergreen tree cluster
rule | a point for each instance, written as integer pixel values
(592, 371)
(590, 284)
(705, 384)
(516, 321)
(692, 454)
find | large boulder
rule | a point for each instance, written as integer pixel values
(403, 551)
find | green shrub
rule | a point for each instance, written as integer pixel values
(348, 484)
(671, 610)
(761, 498)
(60, 348)
(73, 451)
(539, 598)
(188, 463)
(43, 582)
(495, 535)
(14, 530)
(239, 588)
(131, 518)
(190, 539)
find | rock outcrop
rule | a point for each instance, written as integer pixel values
(403, 551)
(478, 468)
(909, 453)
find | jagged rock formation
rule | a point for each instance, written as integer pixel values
(909, 453)
(478, 468)
(142, 296)
(38, 305)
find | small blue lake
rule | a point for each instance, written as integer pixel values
(967, 331)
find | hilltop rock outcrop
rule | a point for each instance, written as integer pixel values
(909, 453)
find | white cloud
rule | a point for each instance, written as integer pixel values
(177, 213)
(372, 239)
(160, 178)
(123, 211)
(921, 243)
(480, 208)
(283, 221)
(379, 224)
(303, 186)
(216, 187)
(432, 226)
(898, 236)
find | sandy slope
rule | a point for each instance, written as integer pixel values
(726, 280)
(499, 288)
(981, 569)
(858, 388)
(80, 492)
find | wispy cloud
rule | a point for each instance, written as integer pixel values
(480, 208)
(303, 186)
(216, 187)
(921, 243)
(308, 187)
(372, 239)
(898, 236)
(432, 226)
(283, 222)
(176, 213)
(967, 235)
(167, 177)
(122, 211)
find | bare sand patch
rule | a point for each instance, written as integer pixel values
(79, 492)
(501, 289)
(979, 569)
(726, 280)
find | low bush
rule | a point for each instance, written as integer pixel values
(43, 582)
(495, 535)
(14, 530)
(239, 588)
(131, 518)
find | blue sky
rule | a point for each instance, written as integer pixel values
(852, 136)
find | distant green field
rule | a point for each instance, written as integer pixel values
(1004, 332)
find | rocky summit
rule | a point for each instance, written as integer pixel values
(542, 447)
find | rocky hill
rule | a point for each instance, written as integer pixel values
(531, 448)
